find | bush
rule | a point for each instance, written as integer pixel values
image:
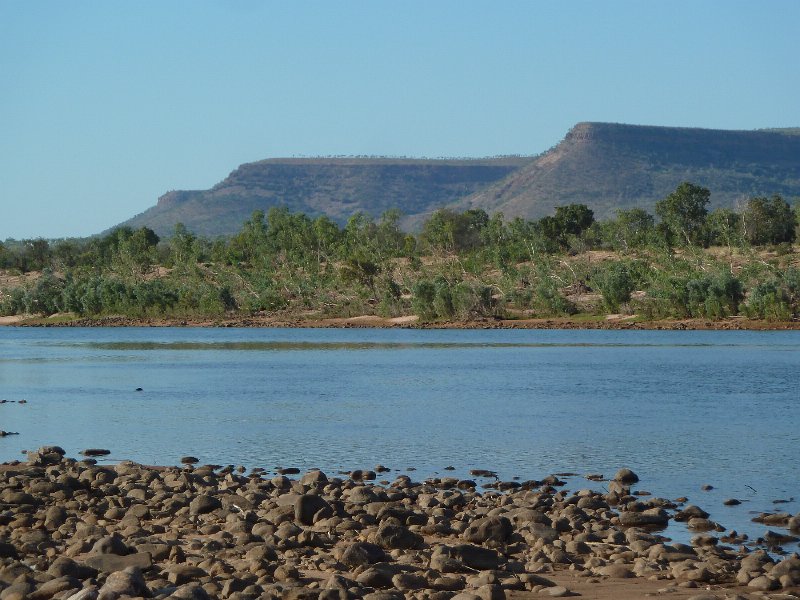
(615, 284)
(549, 299)
(424, 293)
(768, 301)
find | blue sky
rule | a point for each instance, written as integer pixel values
(104, 106)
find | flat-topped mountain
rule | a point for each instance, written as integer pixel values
(603, 165)
(608, 166)
(337, 187)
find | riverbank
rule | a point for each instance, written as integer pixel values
(410, 321)
(75, 529)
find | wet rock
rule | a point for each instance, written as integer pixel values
(95, 452)
(46, 455)
(649, 518)
(314, 478)
(626, 476)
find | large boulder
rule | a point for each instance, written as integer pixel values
(492, 530)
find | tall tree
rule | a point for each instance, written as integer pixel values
(684, 212)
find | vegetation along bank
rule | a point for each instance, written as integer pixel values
(685, 263)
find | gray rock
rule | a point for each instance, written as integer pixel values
(110, 563)
(362, 553)
(496, 530)
(476, 557)
(65, 566)
(649, 518)
(409, 581)
(308, 505)
(397, 537)
(204, 504)
(182, 574)
(55, 586)
(110, 544)
(314, 478)
(128, 582)
(626, 476)
(89, 593)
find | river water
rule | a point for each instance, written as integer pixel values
(681, 408)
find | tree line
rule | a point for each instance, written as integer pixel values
(684, 261)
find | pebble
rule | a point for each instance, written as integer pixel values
(70, 529)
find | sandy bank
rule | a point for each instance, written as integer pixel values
(409, 321)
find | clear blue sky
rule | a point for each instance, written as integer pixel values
(104, 106)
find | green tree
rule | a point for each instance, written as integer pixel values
(684, 212)
(768, 221)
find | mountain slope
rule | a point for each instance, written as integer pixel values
(337, 187)
(603, 165)
(608, 166)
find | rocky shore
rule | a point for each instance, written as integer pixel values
(79, 530)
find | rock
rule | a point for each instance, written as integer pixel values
(109, 563)
(190, 591)
(314, 478)
(65, 566)
(375, 577)
(189, 460)
(110, 544)
(16, 591)
(362, 553)
(490, 591)
(731, 502)
(89, 593)
(616, 571)
(181, 574)
(496, 530)
(95, 452)
(203, 504)
(8, 550)
(476, 557)
(128, 582)
(408, 581)
(626, 476)
(397, 537)
(59, 585)
(763, 584)
(308, 505)
(650, 518)
(46, 455)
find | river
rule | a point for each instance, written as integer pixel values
(683, 409)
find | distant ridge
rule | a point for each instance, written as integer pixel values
(606, 166)
(609, 166)
(337, 187)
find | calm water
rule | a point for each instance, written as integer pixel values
(682, 409)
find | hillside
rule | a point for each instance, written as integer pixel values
(337, 187)
(603, 165)
(608, 166)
